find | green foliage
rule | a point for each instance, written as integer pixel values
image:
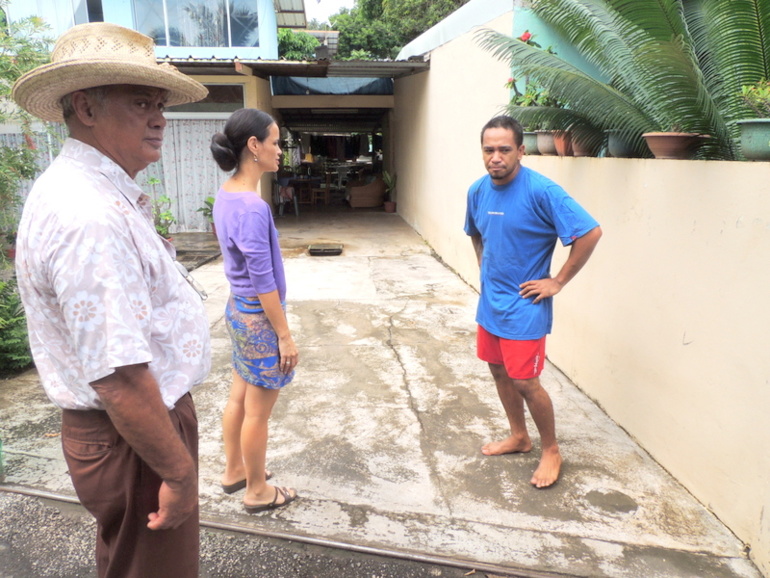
(534, 94)
(164, 218)
(314, 24)
(296, 45)
(390, 185)
(757, 98)
(22, 48)
(359, 35)
(207, 209)
(382, 27)
(663, 64)
(14, 347)
(162, 215)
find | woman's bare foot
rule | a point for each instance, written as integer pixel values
(509, 445)
(547, 472)
(237, 481)
(270, 496)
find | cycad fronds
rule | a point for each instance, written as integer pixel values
(662, 67)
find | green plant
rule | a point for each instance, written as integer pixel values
(390, 185)
(23, 46)
(162, 215)
(652, 65)
(207, 209)
(296, 45)
(757, 97)
(164, 218)
(14, 346)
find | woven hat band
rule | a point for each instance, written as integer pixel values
(100, 54)
(82, 43)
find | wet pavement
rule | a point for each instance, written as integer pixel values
(380, 432)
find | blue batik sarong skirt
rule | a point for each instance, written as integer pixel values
(255, 344)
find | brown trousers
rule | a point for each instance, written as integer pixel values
(120, 490)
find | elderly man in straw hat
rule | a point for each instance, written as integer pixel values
(118, 335)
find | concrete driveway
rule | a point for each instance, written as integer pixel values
(381, 430)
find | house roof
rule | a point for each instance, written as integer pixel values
(310, 68)
(311, 117)
(290, 13)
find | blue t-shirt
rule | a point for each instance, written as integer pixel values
(249, 243)
(519, 224)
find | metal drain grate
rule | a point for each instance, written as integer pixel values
(325, 249)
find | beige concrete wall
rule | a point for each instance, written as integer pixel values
(668, 326)
(436, 130)
(256, 94)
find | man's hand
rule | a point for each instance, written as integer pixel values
(132, 399)
(540, 289)
(176, 503)
(579, 253)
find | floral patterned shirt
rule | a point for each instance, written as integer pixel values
(99, 285)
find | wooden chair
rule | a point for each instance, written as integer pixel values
(323, 191)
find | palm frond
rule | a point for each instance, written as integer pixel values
(664, 64)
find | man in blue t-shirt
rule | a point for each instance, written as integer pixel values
(514, 218)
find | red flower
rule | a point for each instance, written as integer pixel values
(526, 36)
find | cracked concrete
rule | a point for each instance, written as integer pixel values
(381, 430)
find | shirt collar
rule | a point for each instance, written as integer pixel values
(94, 159)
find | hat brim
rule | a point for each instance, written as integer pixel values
(40, 91)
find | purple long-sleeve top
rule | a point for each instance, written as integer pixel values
(249, 243)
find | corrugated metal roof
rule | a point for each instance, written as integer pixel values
(290, 13)
(310, 117)
(312, 69)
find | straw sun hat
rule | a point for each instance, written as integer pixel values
(99, 54)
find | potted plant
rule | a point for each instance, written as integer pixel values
(208, 212)
(390, 191)
(674, 143)
(755, 132)
(532, 101)
(162, 215)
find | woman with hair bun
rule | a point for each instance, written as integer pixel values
(264, 353)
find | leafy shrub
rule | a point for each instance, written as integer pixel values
(757, 97)
(14, 346)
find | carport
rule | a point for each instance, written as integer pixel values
(325, 107)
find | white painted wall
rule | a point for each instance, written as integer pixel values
(668, 326)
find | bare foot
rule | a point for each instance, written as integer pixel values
(237, 479)
(509, 445)
(270, 495)
(547, 472)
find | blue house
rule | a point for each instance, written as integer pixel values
(231, 46)
(181, 28)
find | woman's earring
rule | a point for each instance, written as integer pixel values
(256, 160)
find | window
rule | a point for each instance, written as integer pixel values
(221, 98)
(95, 11)
(215, 23)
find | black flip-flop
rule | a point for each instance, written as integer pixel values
(287, 499)
(232, 488)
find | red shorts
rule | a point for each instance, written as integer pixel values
(522, 359)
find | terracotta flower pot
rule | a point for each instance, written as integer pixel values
(673, 145)
(562, 140)
(583, 149)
